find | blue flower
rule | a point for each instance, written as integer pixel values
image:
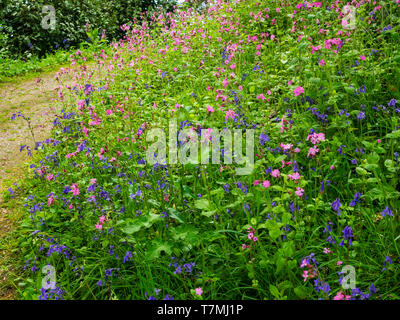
(386, 211)
(336, 205)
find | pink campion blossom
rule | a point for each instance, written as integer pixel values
(285, 163)
(256, 182)
(71, 206)
(93, 181)
(312, 151)
(290, 82)
(230, 114)
(99, 226)
(255, 239)
(313, 49)
(295, 176)
(299, 192)
(297, 150)
(275, 173)
(378, 141)
(327, 251)
(85, 131)
(339, 263)
(298, 91)
(250, 235)
(266, 184)
(362, 57)
(305, 275)
(75, 189)
(332, 167)
(102, 219)
(81, 104)
(261, 97)
(286, 147)
(210, 109)
(199, 291)
(278, 9)
(322, 62)
(316, 137)
(245, 246)
(50, 200)
(225, 82)
(341, 296)
(50, 177)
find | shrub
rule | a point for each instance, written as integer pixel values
(22, 22)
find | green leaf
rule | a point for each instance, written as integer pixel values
(274, 291)
(157, 247)
(202, 204)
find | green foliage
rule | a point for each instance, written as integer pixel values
(21, 22)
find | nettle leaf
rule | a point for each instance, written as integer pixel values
(393, 135)
(156, 248)
(389, 164)
(173, 213)
(145, 221)
(187, 233)
(202, 204)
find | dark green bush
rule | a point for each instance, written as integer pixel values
(21, 22)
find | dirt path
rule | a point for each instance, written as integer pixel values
(34, 100)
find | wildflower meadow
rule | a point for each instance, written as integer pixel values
(233, 150)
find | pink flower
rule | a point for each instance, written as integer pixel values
(102, 219)
(341, 296)
(275, 173)
(50, 177)
(50, 201)
(339, 263)
(298, 91)
(294, 176)
(305, 275)
(250, 235)
(316, 137)
(312, 151)
(230, 114)
(255, 239)
(378, 140)
(261, 97)
(225, 82)
(332, 167)
(93, 181)
(290, 82)
(322, 62)
(266, 184)
(327, 251)
(244, 246)
(286, 147)
(256, 182)
(99, 226)
(199, 291)
(210, 109)
(75, 189)
(362, 57)
(299, 192)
